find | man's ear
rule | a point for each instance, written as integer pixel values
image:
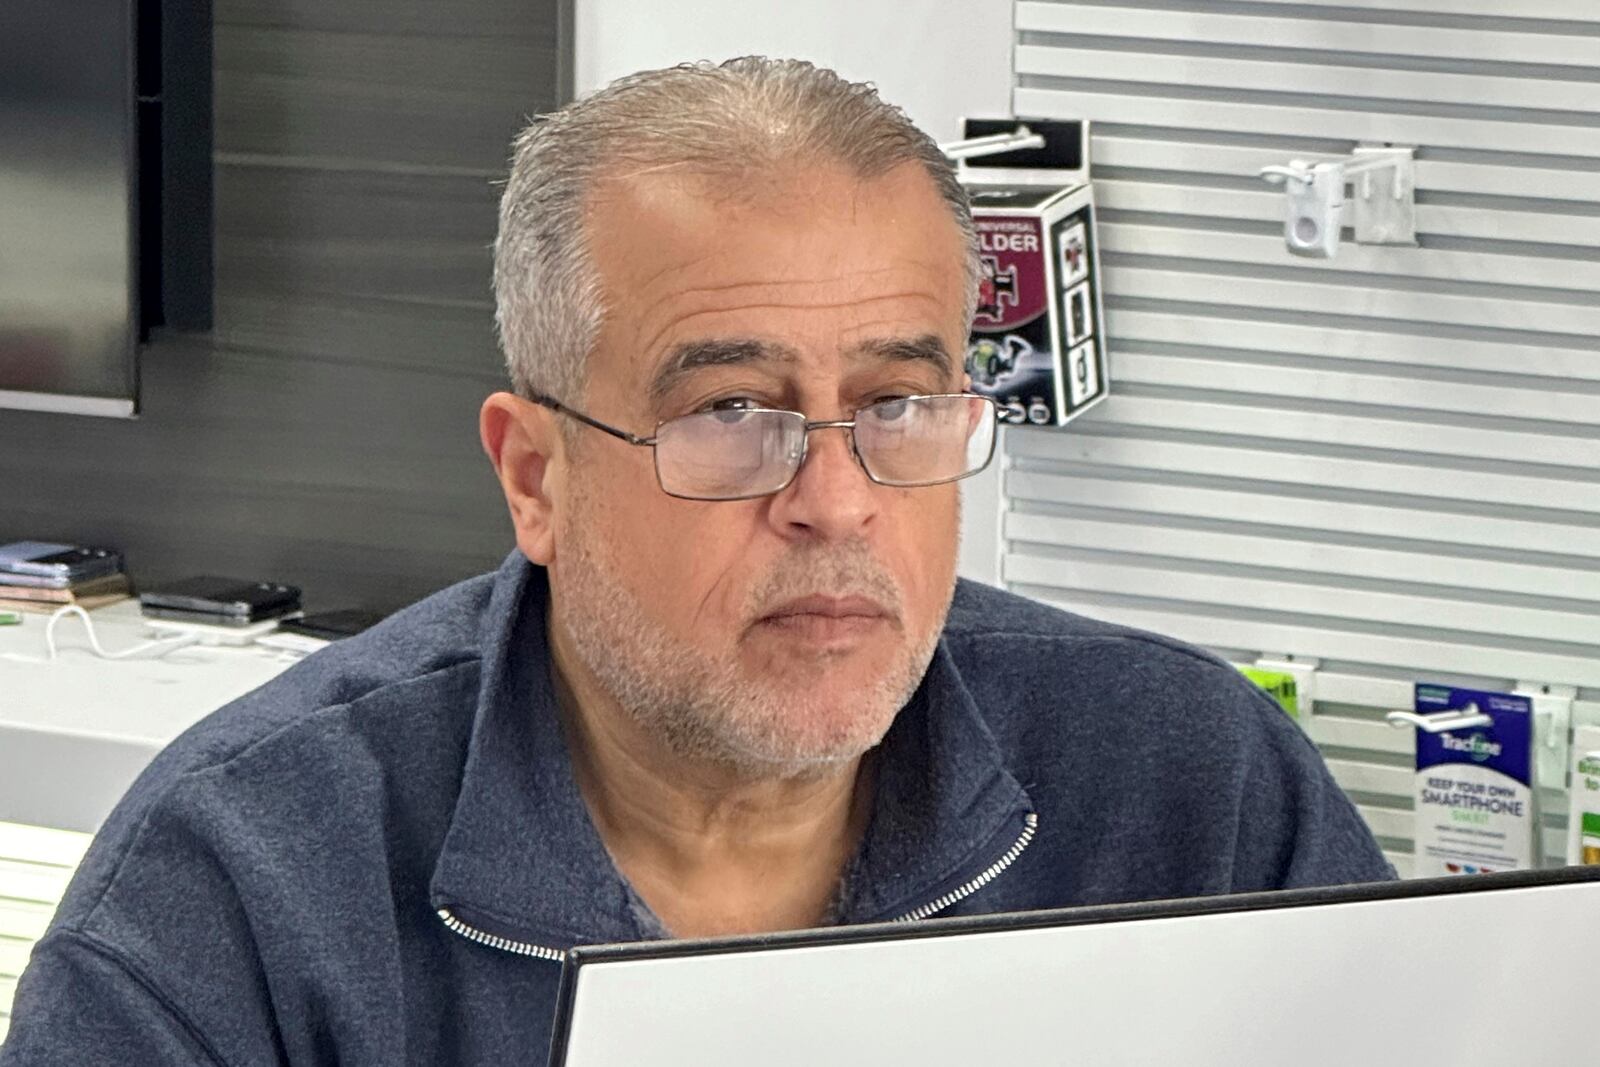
(522, 442)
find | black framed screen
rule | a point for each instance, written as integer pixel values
(68, 196)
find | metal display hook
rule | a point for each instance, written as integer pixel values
(991, 145)
(1385, 213)
(1440, 721)
(1300, 170)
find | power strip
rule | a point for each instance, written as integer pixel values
(206, 633)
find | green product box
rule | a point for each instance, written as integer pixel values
(1279, 686)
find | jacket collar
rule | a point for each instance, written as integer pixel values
(522, 860)
(945, 807)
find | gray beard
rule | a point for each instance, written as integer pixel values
(705, 708)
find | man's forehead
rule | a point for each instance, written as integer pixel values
(657, 215)
(831, 267)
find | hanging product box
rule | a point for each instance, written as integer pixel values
(1038, 340)
(1583, 816)
(1279, 685)
(1475, 811)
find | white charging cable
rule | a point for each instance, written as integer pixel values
(160, 646)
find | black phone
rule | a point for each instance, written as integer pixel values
(212, 618)
(231, 599)
(332, 625)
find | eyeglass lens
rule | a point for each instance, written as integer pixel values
(720, 455)
(924, 440)
(723, 455)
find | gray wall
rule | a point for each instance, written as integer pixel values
(325, 433)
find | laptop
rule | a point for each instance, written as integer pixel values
(1482, 970)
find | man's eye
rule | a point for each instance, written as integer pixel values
(732, 408)
(889, 408)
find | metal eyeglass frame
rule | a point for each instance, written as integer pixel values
(821, 424)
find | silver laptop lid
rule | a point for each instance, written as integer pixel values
(1486, 970)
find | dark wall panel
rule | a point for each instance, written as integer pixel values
(449, 102)
(325, 432)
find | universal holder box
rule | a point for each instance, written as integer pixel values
(1037, 344)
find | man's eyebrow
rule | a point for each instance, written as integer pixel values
(686, 358)
(929, 348)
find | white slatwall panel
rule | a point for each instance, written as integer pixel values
(1390, 460)
(35, 866)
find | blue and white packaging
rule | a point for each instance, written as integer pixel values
(1474, 786)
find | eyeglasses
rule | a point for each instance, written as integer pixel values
(742, 453)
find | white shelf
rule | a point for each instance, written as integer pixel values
(75, 732)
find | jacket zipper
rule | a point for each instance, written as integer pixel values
(504, 944)
(1030, 826)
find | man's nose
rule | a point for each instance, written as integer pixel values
(831, 497)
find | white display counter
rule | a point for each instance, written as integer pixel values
(76, 731)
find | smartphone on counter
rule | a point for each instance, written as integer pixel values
(224, 601)
(45, 563)
(332, 625)
(208, 618)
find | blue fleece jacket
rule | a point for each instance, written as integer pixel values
(379, 857)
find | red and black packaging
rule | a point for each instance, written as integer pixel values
(1037, 344)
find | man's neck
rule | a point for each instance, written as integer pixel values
(709, 849)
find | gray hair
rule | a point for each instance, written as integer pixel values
(746, 113)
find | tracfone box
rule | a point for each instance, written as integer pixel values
(1476, 811)
(1037, 344)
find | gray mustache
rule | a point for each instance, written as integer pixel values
(838, 571)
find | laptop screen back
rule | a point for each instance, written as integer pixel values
(1500, 971)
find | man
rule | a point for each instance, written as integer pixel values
(728, 683)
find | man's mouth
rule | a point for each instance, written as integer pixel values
(831, 607)
(827, 619)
